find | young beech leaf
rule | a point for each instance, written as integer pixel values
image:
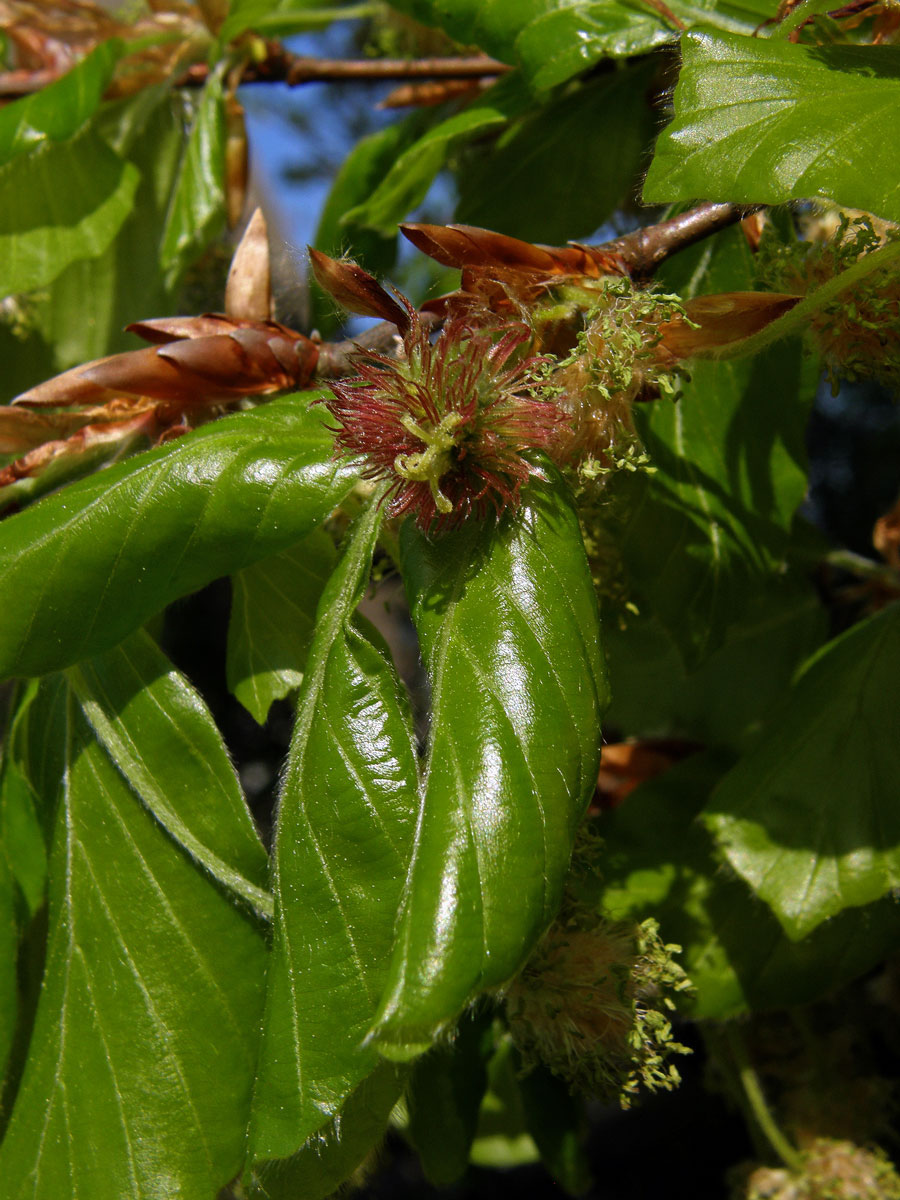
(330, 1156)
(162, 738)
(508, 623)
(809, 817)
(764, 121)
(146, 1028)
(86, 566)
(444, 1098)
(345, 826)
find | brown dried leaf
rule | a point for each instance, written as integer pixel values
(144, 424)
(886, 537)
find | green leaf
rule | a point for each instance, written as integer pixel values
(124, 283)
(404, 186)
(562, 171)
(809, 817)
(56, 112)
(162, 738)
(728, 699)
(277, 18)
(554, 40)
(660, 861)
(345, 826)
(145, 1032)
(712, 523)
(490, 24)
(330, 1157)
(86, 566)
(569, 39)
(444, 1097)
(503, 1140)
(21, 837)
(197, 209)
(273, 609)
(63, 201)
(507, 620)
(9, 945)
(556, 1121)
(766, 121)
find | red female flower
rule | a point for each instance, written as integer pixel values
(448, 425)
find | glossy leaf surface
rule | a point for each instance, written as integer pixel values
(162, 738)
(346, 817)
(86, 566)
(273, 609)
(508, 624)
(553, 41)
(660, 862)
(767, 121)
(809, 818)
(146, 1026)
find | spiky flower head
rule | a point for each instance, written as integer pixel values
(593, 1004)
(619, 358)
(450, 426)
(830, 1169)
(858, 332)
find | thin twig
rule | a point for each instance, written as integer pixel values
(280, 66)
(644, 250)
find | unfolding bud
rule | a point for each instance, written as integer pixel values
(593, 1005)
(450, 426)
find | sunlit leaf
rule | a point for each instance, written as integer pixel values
(56, 112)
(809, 817)
(659, 861)
(507, 620)
(147, 1023)
(766, 121)
(162, 738)
(345, 826)
(63, 201)
(406, 183)
(89, 564)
